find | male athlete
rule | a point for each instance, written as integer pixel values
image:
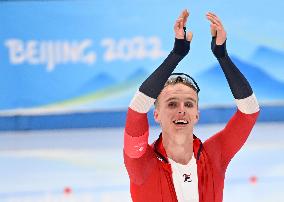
(178, 166)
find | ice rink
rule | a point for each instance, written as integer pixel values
(86, 165)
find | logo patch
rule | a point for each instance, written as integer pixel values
(187, 178)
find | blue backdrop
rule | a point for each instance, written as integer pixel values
(87, 56)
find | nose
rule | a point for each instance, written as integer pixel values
(181, 110)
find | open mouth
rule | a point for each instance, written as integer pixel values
(180, 122)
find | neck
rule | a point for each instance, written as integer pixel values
(180, 152)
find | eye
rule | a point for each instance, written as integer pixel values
(188, 104)
(172, 104)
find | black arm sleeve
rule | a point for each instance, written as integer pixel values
(239, 85)
(154, 84)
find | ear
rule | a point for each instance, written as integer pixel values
(156, 116)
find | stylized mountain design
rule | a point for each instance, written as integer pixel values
(127, 90)
(138, 73)
(98, 82)
(103, 81)
(215, 90)
(26, 87)
(103, 89)
(270, 60)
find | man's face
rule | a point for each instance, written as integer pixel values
(177, 110)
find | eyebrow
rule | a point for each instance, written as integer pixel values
(174, 98)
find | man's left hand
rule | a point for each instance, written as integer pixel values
(217, 29)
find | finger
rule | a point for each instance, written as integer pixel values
(186, 14)
(189, 36)
(215, 21)
(184, 22)
(213, 30)
(214, 18)
(178, 23)
(182, 14)
(211, 13)
(216, 29)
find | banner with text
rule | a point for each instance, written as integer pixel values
(64, 56)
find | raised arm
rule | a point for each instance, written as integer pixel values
(228, 141)
(137, 152)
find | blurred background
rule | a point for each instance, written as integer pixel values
(69, 68)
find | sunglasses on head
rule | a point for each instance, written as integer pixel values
(183, 78)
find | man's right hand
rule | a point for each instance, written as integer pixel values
(180, 24)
